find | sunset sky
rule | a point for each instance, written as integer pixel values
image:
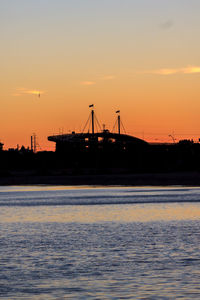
(139, 56)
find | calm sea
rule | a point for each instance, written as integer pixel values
(99, 243)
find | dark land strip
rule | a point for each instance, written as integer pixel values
(140, 179)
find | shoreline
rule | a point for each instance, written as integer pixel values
(136, 179)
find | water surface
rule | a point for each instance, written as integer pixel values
(99, 243)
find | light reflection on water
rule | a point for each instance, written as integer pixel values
(98, 251)
(102, 213)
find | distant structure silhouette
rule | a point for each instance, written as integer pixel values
(34, 143)
(102, 140)
(96, 150)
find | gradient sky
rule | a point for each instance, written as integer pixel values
(139, 56)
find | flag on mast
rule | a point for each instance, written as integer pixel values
(91, 105)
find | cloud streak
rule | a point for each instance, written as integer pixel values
(166, 25)
(186, 70)
(108, 77)
(21, 91)
(104, 78)
(87, 83)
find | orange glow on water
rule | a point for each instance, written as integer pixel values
(104, 213)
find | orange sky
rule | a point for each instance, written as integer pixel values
(141, 57)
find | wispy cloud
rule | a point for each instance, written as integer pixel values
(88, 82)
(186, 70)
(191, 70)
(166, 71)
(34, 92)
(166, 25)
(105, 78)
(21, 91)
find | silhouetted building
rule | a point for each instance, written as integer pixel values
(102, 141)
(100, 148)
(99, 141)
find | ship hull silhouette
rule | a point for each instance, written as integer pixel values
(97, 141)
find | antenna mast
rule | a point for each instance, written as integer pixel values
(118, 120)
(92, 115)
(33, 143)
(91, 121)
(174, 140)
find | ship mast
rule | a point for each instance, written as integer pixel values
(92, 114)
(92, 117)
(118, 120)
(91, 121)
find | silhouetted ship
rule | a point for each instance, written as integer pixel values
(103, 141)
(105, 149)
